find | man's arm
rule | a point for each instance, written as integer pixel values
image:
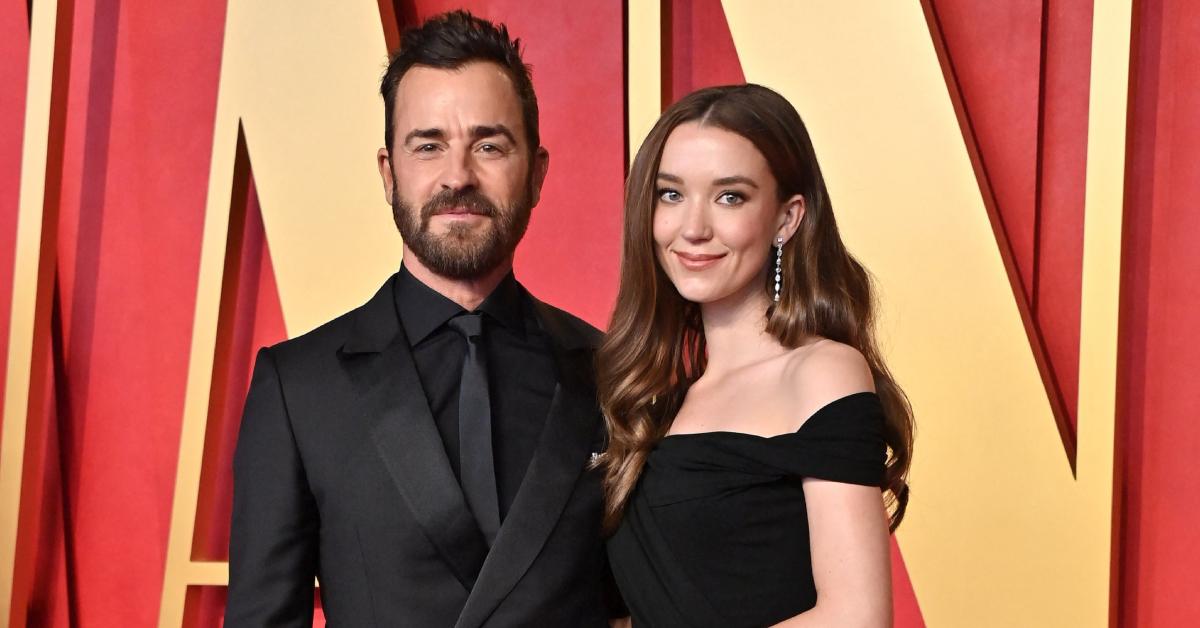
(273, 539)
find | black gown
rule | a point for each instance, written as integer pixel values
(716, 531)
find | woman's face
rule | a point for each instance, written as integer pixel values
(717, 214)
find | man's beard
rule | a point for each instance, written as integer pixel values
(466, 251)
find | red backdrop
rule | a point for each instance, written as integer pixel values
(130, 141)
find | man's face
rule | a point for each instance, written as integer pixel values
(461, 177)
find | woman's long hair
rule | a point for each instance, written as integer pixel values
(655, 343)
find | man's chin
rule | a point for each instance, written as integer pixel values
(451, 222)
(460, 229)
(458, 255)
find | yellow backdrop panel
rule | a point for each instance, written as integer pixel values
(302, 79)
(999, 532)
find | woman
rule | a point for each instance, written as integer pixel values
(752, 422)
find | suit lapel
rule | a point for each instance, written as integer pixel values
(404, 432)
(561, 456)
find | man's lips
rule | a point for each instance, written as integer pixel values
(697, 261)
(460, 211)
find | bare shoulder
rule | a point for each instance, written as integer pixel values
(831, 364)
(824, 371)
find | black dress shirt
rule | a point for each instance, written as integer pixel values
(521, 377)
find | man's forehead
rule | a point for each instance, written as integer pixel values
(475, 83)
(479, 66)
(475, 94)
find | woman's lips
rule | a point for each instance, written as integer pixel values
(697, 261)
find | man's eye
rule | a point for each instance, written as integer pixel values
(669, 195)
(489, 148)
(425, 148)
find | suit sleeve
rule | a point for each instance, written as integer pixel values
(273, 538)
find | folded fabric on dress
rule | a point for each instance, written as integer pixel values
(716, 532)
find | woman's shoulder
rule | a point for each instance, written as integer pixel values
(823, 371)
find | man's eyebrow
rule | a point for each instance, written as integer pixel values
(492, 130)
(477, 133)
(424, 134)
(735, 180)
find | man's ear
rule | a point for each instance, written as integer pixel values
(386, 174)
(790, 215)
(540, 165)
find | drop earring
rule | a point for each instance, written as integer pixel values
(778, 266)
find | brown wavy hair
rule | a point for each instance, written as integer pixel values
(655, 343)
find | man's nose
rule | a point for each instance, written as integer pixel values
(459, 173)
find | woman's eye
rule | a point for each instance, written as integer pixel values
(670, 196)
(730, 198)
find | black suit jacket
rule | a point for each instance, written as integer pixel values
(340, 473)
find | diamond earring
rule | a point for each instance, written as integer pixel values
(778, 266)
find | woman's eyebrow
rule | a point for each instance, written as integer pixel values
(735, 180)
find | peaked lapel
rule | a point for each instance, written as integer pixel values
(378, 355)
(561, 456)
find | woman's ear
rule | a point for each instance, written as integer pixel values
(791, 212)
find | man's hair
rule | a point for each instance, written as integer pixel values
(450, 41)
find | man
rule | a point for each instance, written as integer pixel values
(425, 456)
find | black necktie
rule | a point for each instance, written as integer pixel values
(475, 429)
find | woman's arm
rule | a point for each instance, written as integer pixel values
(848, 528)
(848, 523)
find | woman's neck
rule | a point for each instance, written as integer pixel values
(735, 332)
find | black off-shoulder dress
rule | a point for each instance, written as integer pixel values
(716, 532)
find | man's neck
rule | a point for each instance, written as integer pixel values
(468, 293)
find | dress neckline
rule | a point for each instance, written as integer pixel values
(736, 434)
